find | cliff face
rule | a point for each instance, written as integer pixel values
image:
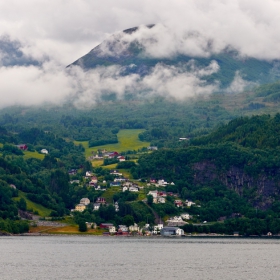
(261, 190)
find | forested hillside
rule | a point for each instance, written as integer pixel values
(242, 155)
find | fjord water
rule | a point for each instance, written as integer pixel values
(87, 257)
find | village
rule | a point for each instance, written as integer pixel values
(154, 191)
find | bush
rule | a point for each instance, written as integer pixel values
(82, 226)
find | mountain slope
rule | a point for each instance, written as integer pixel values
(133, 58)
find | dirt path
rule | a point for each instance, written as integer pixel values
(157, 218)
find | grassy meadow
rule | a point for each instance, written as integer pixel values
(43, 211)
(128, 140)
(28, 154)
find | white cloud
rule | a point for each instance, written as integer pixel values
(57, 32)
(239, 84)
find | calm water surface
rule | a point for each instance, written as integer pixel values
(87, 257)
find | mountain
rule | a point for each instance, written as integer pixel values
(129, 51)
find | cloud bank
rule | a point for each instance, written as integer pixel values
(56, 32)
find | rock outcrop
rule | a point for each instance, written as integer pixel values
(263, 188)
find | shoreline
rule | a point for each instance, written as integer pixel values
(146, 237)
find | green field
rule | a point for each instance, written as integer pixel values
(128, 140)
(43, 211)
(28, 154)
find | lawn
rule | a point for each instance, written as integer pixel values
(128, 140)
(109, 193)
(43, 211)
(28, 154)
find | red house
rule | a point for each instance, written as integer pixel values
(101, 200)
(22, 147)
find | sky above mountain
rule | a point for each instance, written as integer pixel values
(56, 32)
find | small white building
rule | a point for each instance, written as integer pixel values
(89, 174)
(96, 206)
(189, 203)
(133, 189)
(180, 232)
(121, 158)
(112, 229)
(157, 228)
(153, 193)
(185, 216)
(162, 182)
(44, 151)
(123, 228)
(161, 200)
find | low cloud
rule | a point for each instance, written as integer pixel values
(239, 84)
(52, 83)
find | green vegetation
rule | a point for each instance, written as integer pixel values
(34, 207)
(228, 166)
(127, 140)
(28, 154)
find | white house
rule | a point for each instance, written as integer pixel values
(89, 174)
(123, 228)
(44, 151)
(112, 229)
(162, 183)
(189, 203)
(153, 193)
(157, 228)
(96, 206)
(176, 221)
(125, 189)
(85, 201)
(185, 216)
(179, 232)
(121, 158)
(117, 206)
(133, 189)
(161, 200)
(115, 172)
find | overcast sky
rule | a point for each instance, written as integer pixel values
(63, 30)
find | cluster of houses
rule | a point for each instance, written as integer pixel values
(105, 154)
(147, 230)
(85, 203)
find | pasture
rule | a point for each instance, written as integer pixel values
(28, 154)
(128, 140)
(42, 211)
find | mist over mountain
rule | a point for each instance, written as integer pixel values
(144, 53)
(12, 55)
